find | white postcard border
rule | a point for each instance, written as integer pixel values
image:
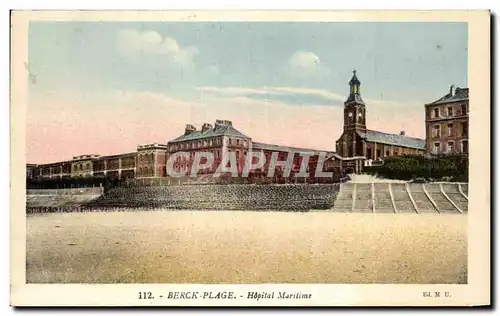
(476, 292)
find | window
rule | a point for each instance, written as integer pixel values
(436, 131)
(245, 143)
(464, 109)
(436, 148)
(450, 111)
(369, 153)
(238, 142)
(450, 129)
(387, 153)
(229, 141)
(450, 149)
(465, 129)
(465, 146)
(436, 112)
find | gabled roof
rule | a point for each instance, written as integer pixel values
(218, 130)
(461, 94)
(392, 139)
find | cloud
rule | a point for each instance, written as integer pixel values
(306, 65)
(137, 45)
(286, 95)
(303, 60)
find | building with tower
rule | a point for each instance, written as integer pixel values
(446, 132)
(359, 145)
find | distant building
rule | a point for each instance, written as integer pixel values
(359, 143)
(447, 123)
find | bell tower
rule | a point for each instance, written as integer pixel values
(354, 108)
(350, 144)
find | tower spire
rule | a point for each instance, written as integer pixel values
(354, 94)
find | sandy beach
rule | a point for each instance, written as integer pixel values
(246, 247)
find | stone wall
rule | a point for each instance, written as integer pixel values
(293, 197)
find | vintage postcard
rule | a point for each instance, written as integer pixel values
(250, 158)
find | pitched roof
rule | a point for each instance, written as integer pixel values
(392, 139)
(257, 145)
(218, 130)
(461, 94)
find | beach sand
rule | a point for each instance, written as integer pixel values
(246, 247)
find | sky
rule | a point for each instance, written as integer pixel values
(106, 87)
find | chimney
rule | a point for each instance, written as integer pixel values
(222, 123)
(402, 133)
(452, 90)
(206, 126)
(189, 129)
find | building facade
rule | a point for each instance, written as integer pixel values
(447, 123)
(362, 145)
(222, 138)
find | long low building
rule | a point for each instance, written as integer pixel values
(150, 161)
